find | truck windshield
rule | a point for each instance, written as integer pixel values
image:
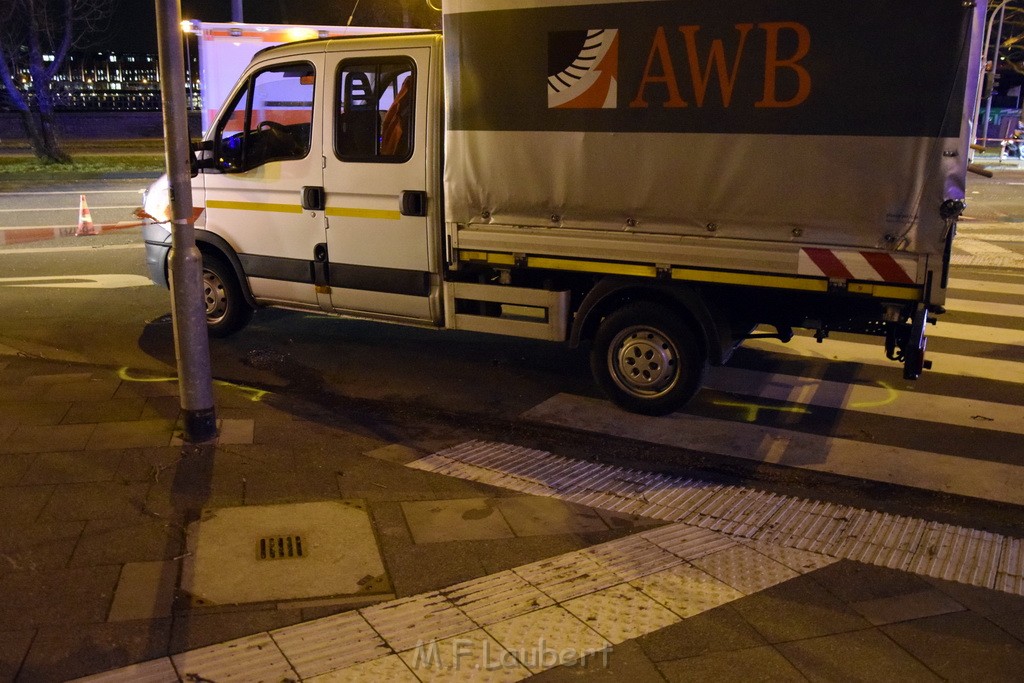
(269, 120)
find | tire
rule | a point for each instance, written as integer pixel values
(647, 360)
(227, 311)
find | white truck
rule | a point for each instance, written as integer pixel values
(653, 178)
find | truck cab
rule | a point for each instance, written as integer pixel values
(317, 185)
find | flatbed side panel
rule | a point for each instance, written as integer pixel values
(797, 124)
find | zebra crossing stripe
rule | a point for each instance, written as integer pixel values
(984, 479)
(872, 354)
(876, 400)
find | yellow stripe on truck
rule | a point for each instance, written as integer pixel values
(340, 212)
(592, 266)
(254, 206)
(378, 214)
(806, 284)
(726, 278)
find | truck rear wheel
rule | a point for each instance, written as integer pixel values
(227, 311)
(647, 359)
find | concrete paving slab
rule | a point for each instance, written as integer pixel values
(13, 466)
(312, 648)
(959, 645)
(810, 611)
(466, 519)
(857, 656)
(24, 504)
(624, 662)
(67, 597)
(14, 413)
(718, 630)
(621, 613)
(391, 669)
(113, 410)
(254, 554)
(119, 541)
(13, 648)
(92, 389)
(686, 590)
(131, 434)
(96, 500)
(468, 655)
(254, 658)
(154, 671)
(396, 453)
(537, 516)
(564, 638)
(895, 609)
(755, 664)
(145, 590)
(202, 627)
(59, 653)
(47, 439)
(38, 546)
(73, 468)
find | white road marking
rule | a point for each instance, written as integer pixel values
(55, 250)
(875, 400)
(874, 354)
(69, 193)
(979, 333)
(864, 460)
(34, 209)
(987, 286)
(92, 281)
(984, 307)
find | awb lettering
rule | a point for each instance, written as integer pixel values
(683, 70)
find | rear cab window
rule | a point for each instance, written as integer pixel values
(375, 110)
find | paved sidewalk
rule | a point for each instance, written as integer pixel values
(107, 559)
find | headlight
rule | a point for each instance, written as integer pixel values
(156, 201)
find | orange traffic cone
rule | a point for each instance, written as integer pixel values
(85, 226)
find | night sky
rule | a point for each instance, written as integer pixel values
(132, 28)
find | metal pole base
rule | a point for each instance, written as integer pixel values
(200, 425)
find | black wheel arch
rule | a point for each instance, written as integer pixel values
(209, 243)
(708, 323)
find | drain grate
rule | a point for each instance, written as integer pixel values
(280, 548)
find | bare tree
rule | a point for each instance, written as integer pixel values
(36, 36)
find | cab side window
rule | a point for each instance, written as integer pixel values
(375, 111)
(269, 120)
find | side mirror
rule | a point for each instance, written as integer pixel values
(202, 155)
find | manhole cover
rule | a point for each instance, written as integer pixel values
(266, 553)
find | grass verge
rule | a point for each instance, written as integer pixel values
(20, 166)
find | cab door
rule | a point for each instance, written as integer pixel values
(377, 149)
(266, 152)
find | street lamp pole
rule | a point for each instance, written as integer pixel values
(188, 309)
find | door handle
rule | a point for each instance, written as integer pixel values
(412, 203)
(313, 198)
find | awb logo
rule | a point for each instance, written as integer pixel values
(753, 65)
(583, 69)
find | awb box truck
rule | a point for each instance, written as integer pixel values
(656, 179)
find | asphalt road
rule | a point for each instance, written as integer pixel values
(87, 299)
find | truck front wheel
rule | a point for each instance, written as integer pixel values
(227, 311)
(647, 359)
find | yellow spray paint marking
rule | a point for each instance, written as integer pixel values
(753, 409)
(255, 395)
(888, 400)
